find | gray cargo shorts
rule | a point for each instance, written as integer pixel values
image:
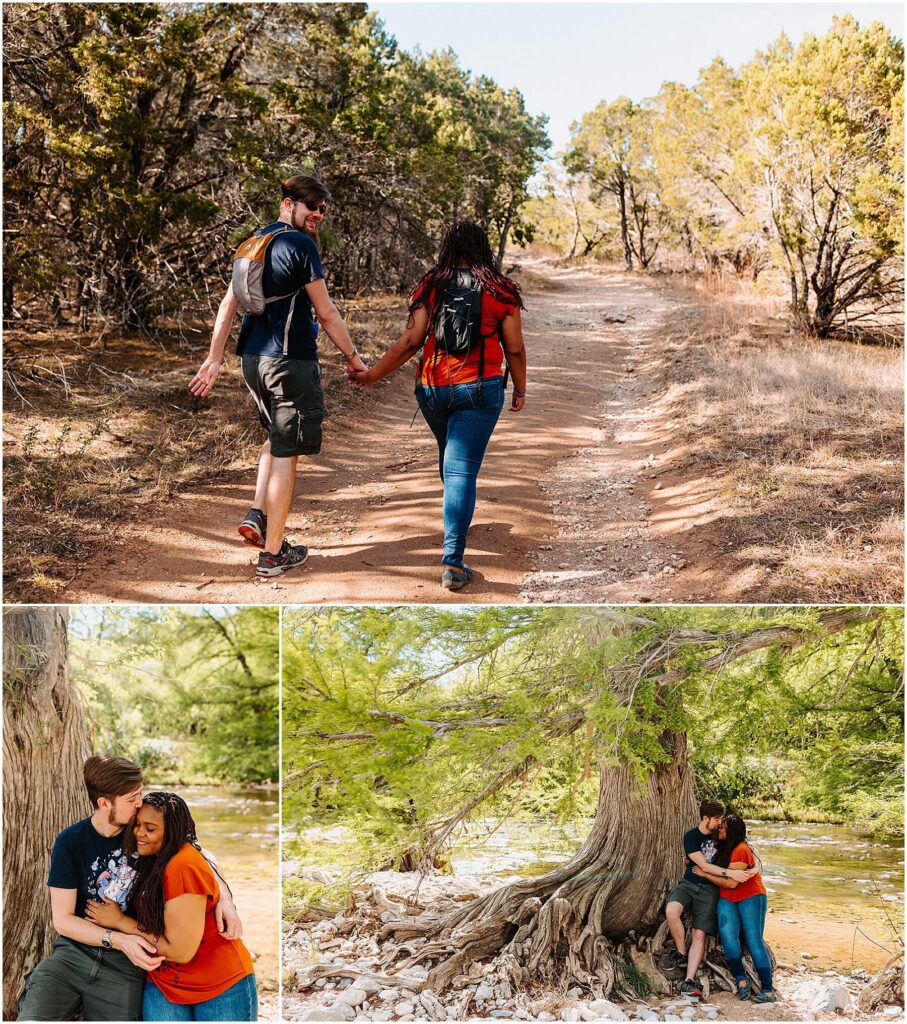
(81, 981)
(290, 402)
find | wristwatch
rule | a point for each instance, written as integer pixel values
(105, 939)
(724, 872)
(352, 354)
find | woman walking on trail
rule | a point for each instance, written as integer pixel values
(465, 317)
(204, 976)
(742, 906)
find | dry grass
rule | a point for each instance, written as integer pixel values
(101, 434)
(807, 437)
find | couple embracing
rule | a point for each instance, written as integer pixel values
(723, 892)
(146, 926)
(464, 319)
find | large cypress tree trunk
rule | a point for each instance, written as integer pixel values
(567, 923)
(45, 742)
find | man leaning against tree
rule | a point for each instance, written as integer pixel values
(95, 973)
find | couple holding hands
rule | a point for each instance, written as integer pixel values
(464, 319)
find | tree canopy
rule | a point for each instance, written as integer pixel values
(403, 723)
(144, 141)
(791, 164)
(187, 693)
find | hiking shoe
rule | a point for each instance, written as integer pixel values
(764, 996)
(289, 557)
(690, 988)
(744, 991)
(254, 528)
(675, 961)
(453, 578)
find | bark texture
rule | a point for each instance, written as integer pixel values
(565, 925)
(45, 742)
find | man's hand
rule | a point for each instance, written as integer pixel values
(359, 378)
(355, 365)
(228, 922)
(139, 950)
(106, 914)
(516, 401)
(203, 381)
(740, 875)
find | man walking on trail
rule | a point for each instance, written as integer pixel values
(93, 972)
(280, 364)
(697, 895)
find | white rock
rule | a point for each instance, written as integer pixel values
(418, 971)
(892, 1011)
(368, 986)
(575, 992)
(484, 993)
(388, 995)
(570, 1014)
(322, 1013)
(605, 1009)
(649, 1015)
(830, 998)
(404, 1009)
(545, 1015)
(672, 1016)
(352, 996)
(381, 1015)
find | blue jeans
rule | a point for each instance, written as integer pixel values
(239, 1002)
(748, 914)
(462, 425)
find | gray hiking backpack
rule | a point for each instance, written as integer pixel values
(248, 270)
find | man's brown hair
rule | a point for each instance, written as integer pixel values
(302, 187)
(107, 776)
(710, 809)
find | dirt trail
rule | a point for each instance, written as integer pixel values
(577, 501)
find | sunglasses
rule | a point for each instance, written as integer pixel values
(320, 207)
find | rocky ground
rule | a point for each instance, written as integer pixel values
(335, 969)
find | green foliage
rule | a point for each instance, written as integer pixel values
(143, 141)
(187, 693)
(402, 726)
(791, 164)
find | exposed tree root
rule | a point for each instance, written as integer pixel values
(886, 988)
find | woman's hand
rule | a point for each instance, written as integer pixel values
(203, 381)
(360, 378)
(517, 401)
(107, 914)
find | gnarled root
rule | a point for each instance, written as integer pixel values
(886, 987)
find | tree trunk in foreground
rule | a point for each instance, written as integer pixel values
(45, 742)
(566, 923)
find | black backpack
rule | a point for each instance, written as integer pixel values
(458, 322)
(458, 316)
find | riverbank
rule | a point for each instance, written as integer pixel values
(355, 979)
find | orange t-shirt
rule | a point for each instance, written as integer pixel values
(754, 886)
(448, 369)
(219, 962)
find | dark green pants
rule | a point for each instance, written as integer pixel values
(101, 984)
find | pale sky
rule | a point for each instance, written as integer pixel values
(566, 57)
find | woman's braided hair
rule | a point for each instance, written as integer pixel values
(464, 244)
(146, 897)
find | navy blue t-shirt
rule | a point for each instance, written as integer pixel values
(695, 842)
(286, 327)
(92, 864)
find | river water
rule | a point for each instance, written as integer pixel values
(834, 895)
